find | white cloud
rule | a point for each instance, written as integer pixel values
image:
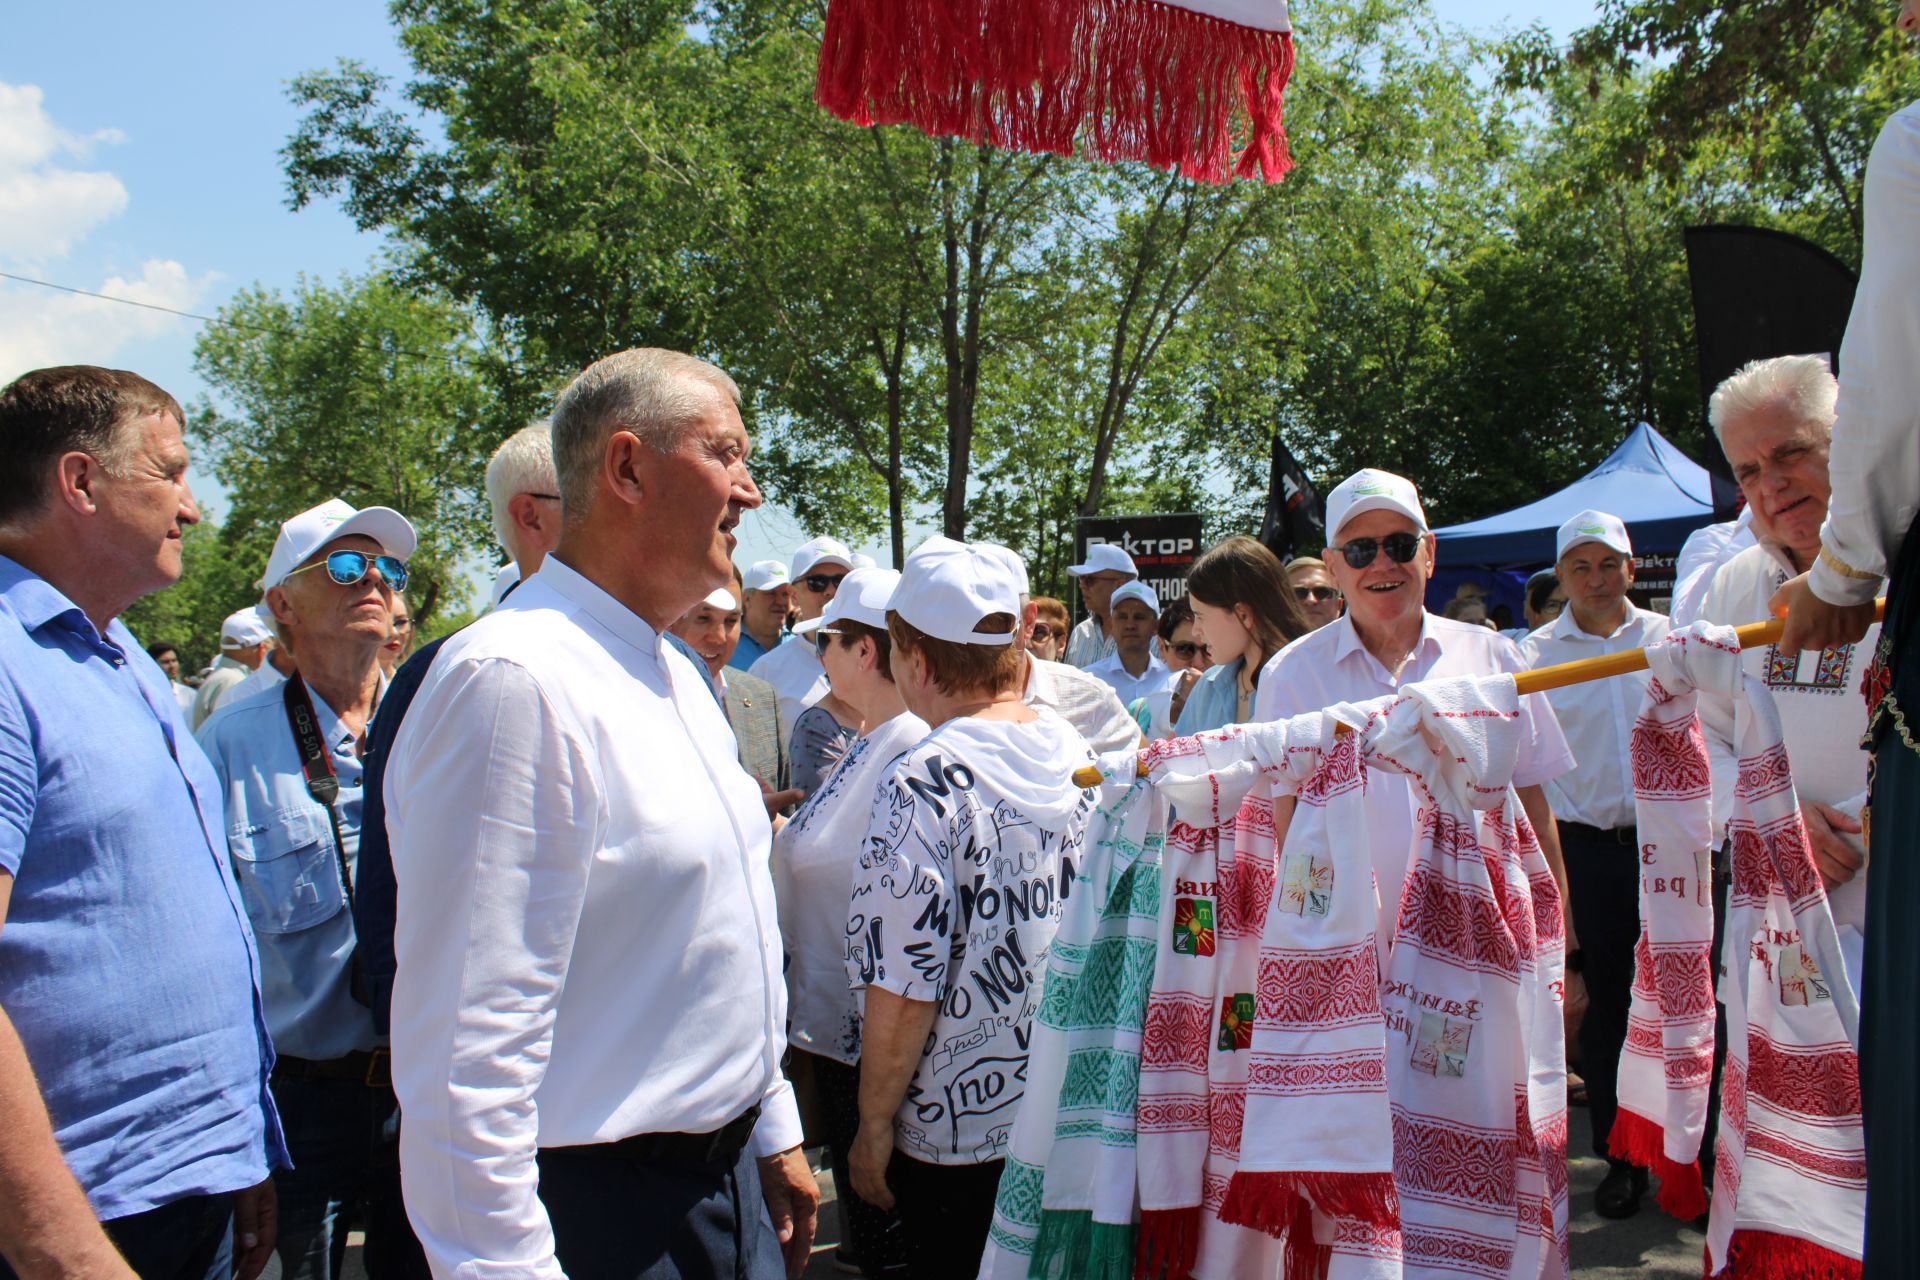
(40, 327)
(45, 208)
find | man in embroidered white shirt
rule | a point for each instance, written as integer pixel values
(588, 1013)
(1593, 805)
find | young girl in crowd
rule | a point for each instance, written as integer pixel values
(1244, 612)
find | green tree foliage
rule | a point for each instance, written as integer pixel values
(362, 391)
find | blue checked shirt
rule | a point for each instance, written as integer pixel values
(126, 962)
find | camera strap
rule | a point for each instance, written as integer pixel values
(316, 768)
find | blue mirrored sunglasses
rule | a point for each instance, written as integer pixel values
(348, 567)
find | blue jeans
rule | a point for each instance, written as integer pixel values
(344, 1139)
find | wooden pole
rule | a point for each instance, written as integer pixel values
(1568, 673)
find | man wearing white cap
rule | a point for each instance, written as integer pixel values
(1382, 556)
(1108, 567)
(955, 902)
(244, 641)
(1593, 805)
(793, 668)
(1133, 669)
(290, 767)
(588, 1010)
(765, 601)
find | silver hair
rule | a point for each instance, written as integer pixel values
(1802, 385)
(654, 393)
(522, 464)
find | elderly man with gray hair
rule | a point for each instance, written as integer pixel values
(589, 1012)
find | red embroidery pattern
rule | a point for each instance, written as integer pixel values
(1437, 1159)
(1764, 774)
(1449, 919)
(1338, 773)
(1682, 978)
(1246, 887)
(1352, 1236)
(1176, 1032)
(1173, 1113)
(1431, 1246)
(1314, 990)
(1226, 1112)
(1670, 760)
(1301, 1075)
(1821, 1082)
(1733, 1098)
(1213, 1190)
(1836, 1168)
(1779, 854)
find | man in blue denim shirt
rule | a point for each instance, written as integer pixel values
(330, 582)
(133, 1045)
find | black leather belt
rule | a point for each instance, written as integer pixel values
(722, 1146)
(1598, 835)
(371, 1067)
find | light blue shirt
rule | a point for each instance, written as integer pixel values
(1214, 701)
(126, 963)
(750, 651)
(289, 875)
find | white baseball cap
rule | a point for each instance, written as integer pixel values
(1594, 526)
(818, 552)
(329, 522)
(721, 598)
(863, 598)
(949, 587)
(1015, 565)
(861, 560)
(1370, 490)
(243, 629)
(1105, 557)
(1137, 590)
(764, 575)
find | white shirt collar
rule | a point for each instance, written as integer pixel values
(1346, 640)
(1565, 628)
(594, 601)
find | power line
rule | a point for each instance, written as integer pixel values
(281, 330)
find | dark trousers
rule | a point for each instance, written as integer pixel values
(1603, 876)
(945, 1211)
(1889, 1032)
(344, 1139)
(616, 1218)
(187, 1239)
(874, 1235)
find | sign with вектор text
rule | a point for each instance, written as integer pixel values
(1163, 547)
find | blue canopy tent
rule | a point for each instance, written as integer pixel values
(1662, 494)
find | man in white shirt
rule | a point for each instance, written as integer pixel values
(793, 667)
(245, 639)
(1701, 556)
(1382, 556)
(1593, 804)
(1133, 669)
(588, 1014)
(1107, 569)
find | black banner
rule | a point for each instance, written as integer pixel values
(1756, 294)
(1295, 522)
(1163, 547)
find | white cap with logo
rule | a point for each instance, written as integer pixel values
(329, 522)
(1136, 590)
(862, 598)
(1594, 526)
(764, 575)
(948, 588)
(244, 628)
(818, 552)
(1105, 557)
(1370, 490)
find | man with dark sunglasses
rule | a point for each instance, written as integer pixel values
(793, 667)
(1313, 587)
(1381, 555)
(290, 764)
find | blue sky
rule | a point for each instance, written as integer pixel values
(138, 158)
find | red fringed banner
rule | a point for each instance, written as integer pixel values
(1132, 79)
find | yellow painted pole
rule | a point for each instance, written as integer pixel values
(1567, 673)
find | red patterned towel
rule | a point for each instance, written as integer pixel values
(1789, 1178)
(1469, 1118)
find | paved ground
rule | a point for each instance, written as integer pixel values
(1649, 1246)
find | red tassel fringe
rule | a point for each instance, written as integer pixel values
(1270, 1202)
(1765, 1255)
(1169, 1244)
(1133, 79)
(1636, 1139)
(1306, 1258)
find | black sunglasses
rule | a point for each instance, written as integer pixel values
(1304, 594)
(1041, 631)
(348, 567)
(1400, 548)
(1185, 649)
(819, 582)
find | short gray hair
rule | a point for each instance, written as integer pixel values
(522, 464)
(1802, 385)
(649, 391)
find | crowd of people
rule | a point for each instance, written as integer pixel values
(554, 947)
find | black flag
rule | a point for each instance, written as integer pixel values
(1759, 293)
(1295, 520)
